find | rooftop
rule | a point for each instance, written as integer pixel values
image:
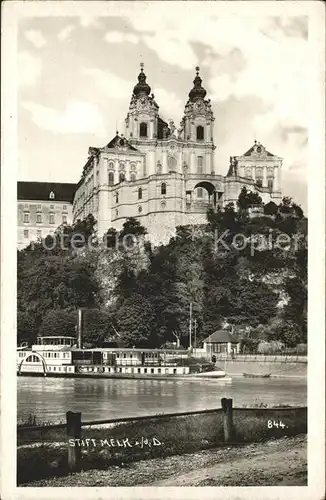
(257, 148)
(41, 191)
(221, 337)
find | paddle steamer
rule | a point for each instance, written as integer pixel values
(60, 356)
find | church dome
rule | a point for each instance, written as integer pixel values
(142, 87)
(197, 92)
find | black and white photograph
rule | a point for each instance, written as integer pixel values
(159, 157)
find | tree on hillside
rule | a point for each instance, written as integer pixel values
(110, 238)
(270, 208)
(247, 199)
(27, 329)
(285, 207)
(132, 227)
(55, 282)
(59, 322)
(297, 210)
(97, 326)
(135, 319)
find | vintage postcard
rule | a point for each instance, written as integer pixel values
(161, 161)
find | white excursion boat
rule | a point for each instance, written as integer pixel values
(59, 356)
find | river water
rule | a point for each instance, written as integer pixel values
(50, 398)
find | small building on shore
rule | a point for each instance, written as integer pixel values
(221, 341)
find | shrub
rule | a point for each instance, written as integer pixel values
(270, 347)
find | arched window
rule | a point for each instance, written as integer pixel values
(32, 359)
(200, 133)
(121, 177)
(200, 164)
(111, 178)
(172, 162)
(111, 165)
(163, 188)
(270, 172)
(132, 177)
(132, 166)
(248, 173)
(259, 176)
(143, 130)
(140, 193)
(121, 166)
(117, 197)
(51, 195)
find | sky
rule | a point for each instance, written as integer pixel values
(76, 75)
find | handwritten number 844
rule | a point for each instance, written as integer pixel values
(272, 423)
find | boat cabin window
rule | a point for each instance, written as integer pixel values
(32, 359)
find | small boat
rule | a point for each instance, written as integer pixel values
(252, 375)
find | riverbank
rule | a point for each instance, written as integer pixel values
(281, 462)
(274, 369)
(43, 450)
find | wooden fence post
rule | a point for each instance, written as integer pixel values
(228, 419)
(73, 432)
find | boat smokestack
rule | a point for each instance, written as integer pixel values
(79, 329)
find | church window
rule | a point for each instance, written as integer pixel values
(199, 192)
(270, 172)
(140, 193)
(200, 133)
(248, 173)
(200, 164)
(259, 176)
(51, 195)
(132, 166)
(121, 166)
(172, 162)
(121, 177)
(111, 178)
(111, 165)
(270, 184)
(117, 197)
(163, 188)
(143, 130)
(132, 177)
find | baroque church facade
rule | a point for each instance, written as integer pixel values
(164, 176)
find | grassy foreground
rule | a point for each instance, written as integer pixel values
(43, 453)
